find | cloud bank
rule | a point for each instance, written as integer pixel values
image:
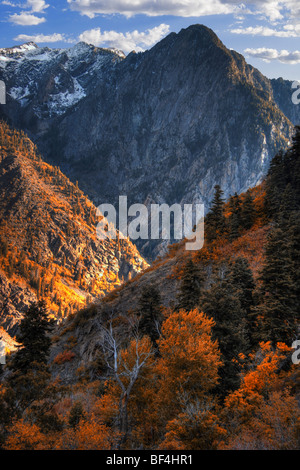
(127, 42)
(41, 38)
(288, 31)
(273, 9)
(269, 55)
(26, 19)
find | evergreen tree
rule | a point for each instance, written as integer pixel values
(234, 220)
(278, 312)
(247, 212)
(242, 282)
(150, 312)
(190, 287)
(292, 166)
(215, 220)
(229, 302)
(275, 185)
(76, 414)
(222, 303)
(33, 337)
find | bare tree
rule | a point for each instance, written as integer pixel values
(125, 375)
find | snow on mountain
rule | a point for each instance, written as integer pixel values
(53, 80)
(22, 49)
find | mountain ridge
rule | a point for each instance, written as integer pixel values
(165, 125)
(48, 242)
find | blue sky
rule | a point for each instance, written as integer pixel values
(266, 32)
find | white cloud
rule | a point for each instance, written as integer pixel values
(35, 6)
(41, 38)
(26, 19)
(288, 31)
(127, 42)
(128, 8)
(273, 9)
(6, 2)
(267, 55)
(27, 16)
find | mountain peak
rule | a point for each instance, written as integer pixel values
(201, 33)
(20, 49)
(191, 44)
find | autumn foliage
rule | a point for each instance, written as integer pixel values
(199, 358)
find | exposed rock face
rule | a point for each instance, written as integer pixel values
(287, 99)
(161, 126)
(48, 241)
(14, 302)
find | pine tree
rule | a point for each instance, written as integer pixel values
(190, 287)
(76, 414)
(277, 312)
(150, 312)
(234, 220)
(247, 212)
(215, 220)
(242, 282)
(292, 165)
(33, 337)
(275, 185)
(229, 302)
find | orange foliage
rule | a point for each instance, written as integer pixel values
(26, 436)
(63, 357)
(189, 358)
(259, 381)
(274, 425)
(88, 435)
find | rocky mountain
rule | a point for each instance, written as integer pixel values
(48, 242)
(283, 92)
(165, 125)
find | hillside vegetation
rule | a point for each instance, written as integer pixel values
(193, 353)
(48, 243)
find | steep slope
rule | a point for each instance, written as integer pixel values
(48, 241)
(248, 271)
(164, 126)
(79, 338)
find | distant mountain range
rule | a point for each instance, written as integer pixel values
(165, 125)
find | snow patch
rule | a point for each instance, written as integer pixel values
(45, 56)
(17, 93)
(24, 48)
(61, 101)
(118, 52)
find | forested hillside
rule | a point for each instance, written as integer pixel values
(48, 243)
(193, 353)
